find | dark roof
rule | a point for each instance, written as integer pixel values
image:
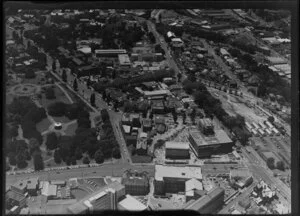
(77, 61)
(15, 196)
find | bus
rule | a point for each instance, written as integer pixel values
(269, 132)
(255, 125)
(248, 125)
(262, 125)
(261, 132)
(276, 132)
(269, 124)
(254, 132)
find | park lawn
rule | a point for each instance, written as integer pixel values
(62, 119)
(43, 125)
(70, 131)
(60, 96)
(141, 159)
(35, 80)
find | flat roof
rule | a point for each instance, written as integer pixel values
(220, 137)
(15, 195)
(201, 202)
(124, 59)
(157, 92)
(132, 204)
(113, 51)
(187, 172)
(85, 50)
(126, 128)
(177, 145)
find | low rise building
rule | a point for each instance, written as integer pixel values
(205, 146)
(131, 204)
(124, 61)
(136, 184)
(141, 146)
(177, 150)
(15, 198)
(208, 204)
(147, 125)
(109, 52)
(158, 94)
(171, 179)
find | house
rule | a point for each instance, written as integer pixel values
(158, 107)
(141, 146)
(147, 125)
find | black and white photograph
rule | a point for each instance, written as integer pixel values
(144, 110)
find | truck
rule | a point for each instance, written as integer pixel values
(269, 132)
(248, 125)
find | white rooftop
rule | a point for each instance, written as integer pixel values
(157, 92)
(85, 50)
(162, 171)
(132, 204)
(177, 145)
(126, 128)
(191, 185)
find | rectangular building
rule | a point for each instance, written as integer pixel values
(136, 184)
(171, 179)
(177, 150)
(131, 204)
(109, 52)
(205, 146)
(209, 204)
(206, 126)
(158, 94)
(124, 61)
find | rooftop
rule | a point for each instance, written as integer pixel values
(186, 172)
(132, 204)
(115, 51)
(219, 137)
(157, 92)
(124, 59)
(177, 145)
(15, 195)
(201, 202)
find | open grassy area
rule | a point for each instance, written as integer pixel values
(62, 119)
(70, 131)
(43, 125)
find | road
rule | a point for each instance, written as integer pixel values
(262, 172)
(103, 170)
(160, 39)
(240, 197)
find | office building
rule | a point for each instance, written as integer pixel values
(105, 198)
(205, 146)
(171, 179)
(136, 184)
(206, 126)
(208, 204)
(177, 150)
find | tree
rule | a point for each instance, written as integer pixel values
(52, 141)
(116, 153)
(78, 153)
(193, 115)
(64, 76)
(68, 160)
(54, 65)
(99, 157)
(280, 165)
(38, 161)
(271, 119)
(29, 74)
(85, 160)
(183, 117)
(75, 85)
(179, 75)
(57, 157)
(270, 163)
(50, 94)
(33, 145)
(12, 158)
(57, 109)
(21, 160)
(73, 160)
(92, 99)
(175, 117)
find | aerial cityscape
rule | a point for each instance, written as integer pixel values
(147, 110)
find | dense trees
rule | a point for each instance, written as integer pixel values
(50, 94)
(34, 145)
(85, 160)
(29, 74)
(280, 165)
(38, 161)
(116, 153)
(271, 119)
(57, 109)
(52, 141)
(75, 85)
(57, 157)
(270, 163)
(64, 75)
(92, 99)
(99, 157)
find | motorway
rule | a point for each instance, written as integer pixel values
(103, 170)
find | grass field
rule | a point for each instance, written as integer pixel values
(70, 131)
(43, 125)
